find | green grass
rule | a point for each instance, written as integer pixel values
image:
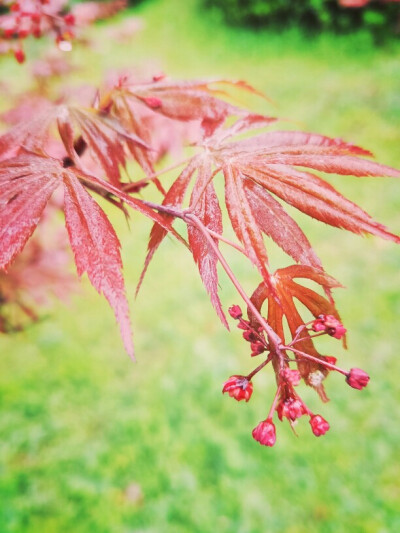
(90, 442)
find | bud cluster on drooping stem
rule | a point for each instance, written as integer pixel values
(287, 403)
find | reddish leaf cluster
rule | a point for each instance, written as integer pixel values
(84, 151)
(48, 17)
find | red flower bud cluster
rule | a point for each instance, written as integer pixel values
(35, 17)
(330, 325)
(255, 338)
(312, 366)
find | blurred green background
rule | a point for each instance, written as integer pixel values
(90, 442)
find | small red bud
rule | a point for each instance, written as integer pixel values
(158, 77)
(357, 378)
(331, 325)
(35, 17)
(257, 348)
(19, 55)
(330, 359)
(265, 433)
(152, 102)
(69, 19)
(249, 336)
(292, 376)
(15, 7)
(9, 33)
(319, 425)
(235, 312)
(291, 409)
(238, 387)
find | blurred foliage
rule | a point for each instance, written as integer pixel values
(313, 15)
(91, 443)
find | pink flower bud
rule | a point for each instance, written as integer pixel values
(291, 409)
(152, 101)
(330, 359)
(158, 77)
(257, 348)
(292, 376)
(357, 378)
(249, 336)
(319, 425)
(19, 55)
(265, 433)
(69, 19)
(331, 325)
(235, 312)
(238, 387)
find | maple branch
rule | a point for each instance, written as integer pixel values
(275, 339)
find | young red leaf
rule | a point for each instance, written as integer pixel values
(105, 138)
(287, 291)
(185, 101)
(96, 250)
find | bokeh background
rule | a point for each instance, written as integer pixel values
(90, 442)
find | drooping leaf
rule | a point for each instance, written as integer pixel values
(26, 184)
(96, 250)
